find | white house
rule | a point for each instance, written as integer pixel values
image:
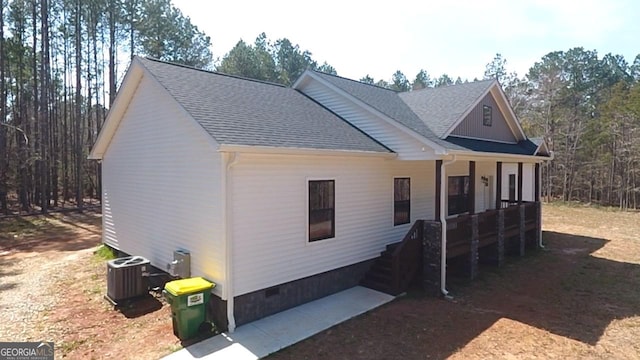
(286, 194)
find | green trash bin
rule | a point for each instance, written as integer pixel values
(188, 299)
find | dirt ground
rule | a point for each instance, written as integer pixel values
(52, 288)
(578, 298)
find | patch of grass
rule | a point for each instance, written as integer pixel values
(105, 253)
(579, 204)
(20, 226)
(96, 289)
(68, 346)
(174, 347)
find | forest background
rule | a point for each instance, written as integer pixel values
(61, 60)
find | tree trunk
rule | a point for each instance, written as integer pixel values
(44, 107)
(78, 105)
(132, 11)
(4, 168)
(112, 52)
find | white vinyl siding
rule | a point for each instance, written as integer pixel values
(528, 180)
(485, 194)
(269, 199)
(407, 147)
(508, 169)
(162, 186)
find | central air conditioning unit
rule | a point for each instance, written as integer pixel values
(127, 278)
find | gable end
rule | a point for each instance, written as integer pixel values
(485, 121)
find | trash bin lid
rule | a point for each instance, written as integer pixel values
(188, 286)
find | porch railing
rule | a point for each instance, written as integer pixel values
(458, 235)
(406, 259)
(487, 227)
(507, 203)
(459, 228)
(511, 221)
(530, 215)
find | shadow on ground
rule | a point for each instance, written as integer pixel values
(71, 232)
(140, 306)
(564, 289)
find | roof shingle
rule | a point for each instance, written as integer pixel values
(385, 101)
(238, 111)
(525, 147)
(429, 112)
(439, 108)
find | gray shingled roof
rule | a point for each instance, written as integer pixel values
(524, 147)
(439, 108)
(429, 112)
(237, 111)
(387, 102)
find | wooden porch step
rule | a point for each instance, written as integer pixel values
(398, 263)
(379, 286)
(380, 277)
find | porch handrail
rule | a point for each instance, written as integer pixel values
(458, 230)
(407, 257)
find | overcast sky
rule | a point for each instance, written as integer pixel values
(454, 37)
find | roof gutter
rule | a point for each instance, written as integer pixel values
(302, 151)
(475, 154)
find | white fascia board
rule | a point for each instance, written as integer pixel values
(117, 110)
(301, 79)
(484, 156)
(436, 148)
(503, 104)
(512, 119)
(132, 79)
(468, 110)
(543, 145)
(184, 111)
(302, 151)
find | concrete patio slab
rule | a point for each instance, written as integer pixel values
(266, 336)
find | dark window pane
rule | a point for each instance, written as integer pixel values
(512, 187)
(321, 209)
(487, 116)
(401, 201)
(458, 199)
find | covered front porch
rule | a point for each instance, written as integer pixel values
(511, 224)
(486, 213)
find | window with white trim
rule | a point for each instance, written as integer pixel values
(487, 115)
(322, 224)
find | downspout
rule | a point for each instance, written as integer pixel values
(443, 222)
(539, 179)
(231, 159)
